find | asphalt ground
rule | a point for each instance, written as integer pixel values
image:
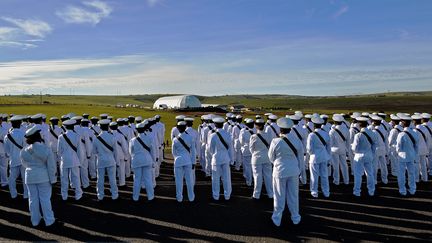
(385, 217)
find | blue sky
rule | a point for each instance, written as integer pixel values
(215, 47)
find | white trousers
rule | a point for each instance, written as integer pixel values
(394, 164)
(111, 171)
(121, 172)
(410, 167)
(84, 173)
(143, 176)
(359, 169)
(430, 162)
(203, 158)
(14, 173)
(340, 165)
(238, 158)
(74, 175)
(128, 167)
(262, 172)
(40, 198)
(247, 169)
(286, 191)
(3, 170)
(92, 167)
(319, 171)
(184, 173)
(221, 172)
(381, 164)
(421, 168)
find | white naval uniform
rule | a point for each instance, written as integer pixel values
(207, 131)
(286, 173)
(364, 154)
(184, 160)
(40, 172)
(221, 158)
(54, 132)
(70, 163)
(428, 128)
(122, 156)
(339, 142)
(273, 130)
(87, 147)
(261, 165)
(392, 149)
(142, 163)
(381, 152)
(3, 158)
(202, 146)
(235, 133)
(301, 133)
(15, 166)
(95, 129)
(197, 144)
(407, 150)
(106, 162)
(244, 140)
(125, 131)
(319, 156)
(423, 149)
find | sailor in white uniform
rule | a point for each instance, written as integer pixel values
(339, 140)
(244, 141)
(423, 148)
(272, 128)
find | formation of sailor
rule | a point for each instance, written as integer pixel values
(277, 153)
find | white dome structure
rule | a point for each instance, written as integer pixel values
(177, 102)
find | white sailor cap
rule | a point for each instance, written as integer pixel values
(376, 118)
(229, 114)
(324, 116)
(394, 117)
(232, 116)
(85, 120)
(416, 113)
(94, 118)
(125, 120)
(85, 114)
(362, 118)
(382, 114)
(272, 117)
(138, 118)
(260, 121)
(405, 118)
(189, 119)
(295, 117)
(110, 117)
(355, 115)
(210, 117)
(77, 118)
(416, 117)
(112, 124)
(65, 117)
(285, 123)
(338, 118)
(141, 125)
(218, 119)
(54, 118)
(119, 120)
(400, 114)
(37, 116)
(104, 122)
(239, 116)
(180, 117)
(317, 120)
(248, 121)
(365, 114)
(31, 131)
(43, 116)
(257, 116)
(181, 123)
(298, 112)
(157, 116)
(426, 115)
(315, 115)
(268, 114)
(308, 116)
(69, 122)
(103, 115)
(17, 118)
(202, 117)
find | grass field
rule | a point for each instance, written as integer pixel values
(278, 104)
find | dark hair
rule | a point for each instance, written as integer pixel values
(34, 138)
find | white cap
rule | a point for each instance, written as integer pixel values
(189, 119)
(382, 114)
(180, 117)
(229, 114)
(365, 114)
(104, 122)
(426, 115)
(273, 117)
(138, 118)
(31, 131)
(362, 118)
(94, 118)
(268, 114)
(181, 123)
(295, 117)
(157, 116)
(376, 118)
(103, 115)
(69, 122)
(232, 116)
(324, 116)
(284, 122)
(338, 118)
(54, 118)
(218, 120)
(309, 116)
(113, 124)
(85, 120)
(416, 117)
(203, 117)
(355, 115)
(248, 120)
(257, 116)
(317, 120)
(119, 120)
(405, 118)
(239, 116)
(37, 116)
(394, 117)
(17, 118)
(141, 125)
(77, 118)
(110, 117)
(260, 121)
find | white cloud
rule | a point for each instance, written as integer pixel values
(153, 3)
(92, 13)
(31, 27)
(341, 11)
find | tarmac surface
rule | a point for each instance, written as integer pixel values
(385, 217)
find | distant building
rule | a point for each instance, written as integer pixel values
(223, 107)
(177, 102)
(237, 108)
